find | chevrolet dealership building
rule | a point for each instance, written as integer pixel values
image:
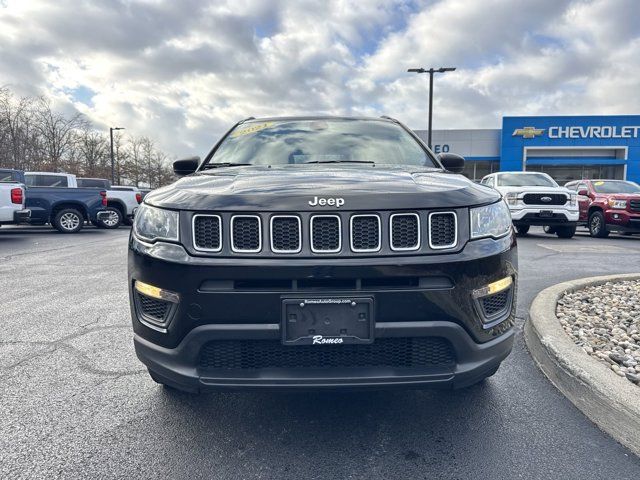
(567, 148)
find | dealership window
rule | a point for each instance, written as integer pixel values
(566, 173)
(476, 170)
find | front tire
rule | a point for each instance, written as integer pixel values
(68, 220)
(522, 229)
(112, 220)
(566, 232)
(597, 225)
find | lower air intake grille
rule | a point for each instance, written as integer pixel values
(495, 304)
(207, 233)
(151, 307)
(325, 233)
(245, 234)
(365, 233)
(385, 352)
(285, 234)
(442, 230)
(405, 232)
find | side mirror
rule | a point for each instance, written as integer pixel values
(583, 192)
(452, 162)
(186, 166)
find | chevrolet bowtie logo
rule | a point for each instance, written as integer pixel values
(528, 132)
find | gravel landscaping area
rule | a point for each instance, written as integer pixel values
(605, 321)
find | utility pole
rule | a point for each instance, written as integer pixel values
(431, 71)
(113, 162)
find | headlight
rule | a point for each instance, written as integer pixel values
(511, 198)
(490, 221)
(573, 200)
(153, 223)
(614, 203)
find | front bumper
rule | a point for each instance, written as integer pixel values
(178, 367)
(241, 299)
(622, 220)
(552, 216)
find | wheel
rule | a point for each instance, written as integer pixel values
(549, 230)
(566, 232)
(597, 226)
(113, 219)
(68, 220)
(522, 229)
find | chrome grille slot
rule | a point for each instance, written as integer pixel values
(442, 230)
(326, 234)
(366, 235)
(405, 231)
(246, 234)
(286, 234)
(207, 233)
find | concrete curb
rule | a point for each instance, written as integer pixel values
(611, 402)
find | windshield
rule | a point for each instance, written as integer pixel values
(613, 186)
(525, 180)
(294, 142)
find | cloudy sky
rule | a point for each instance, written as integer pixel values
(182, 72)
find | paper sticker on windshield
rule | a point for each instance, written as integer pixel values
(250, 129)
(598, 183)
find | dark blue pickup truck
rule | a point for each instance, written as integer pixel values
(66, 209)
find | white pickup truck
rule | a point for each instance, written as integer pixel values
(121, 204)
(535, 198)
(12, 199)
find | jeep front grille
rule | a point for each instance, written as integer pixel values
(405, 231)
(442, 230)
(286, 234)
(326, 234)
(246, 234)
(339, 234)
(365, 233)
(207, 233)
(634, 205)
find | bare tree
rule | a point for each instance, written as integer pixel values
(56, 132)
(94, 148)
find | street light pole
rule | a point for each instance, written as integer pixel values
(431, 71)
(113, 163)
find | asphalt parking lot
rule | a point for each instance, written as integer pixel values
(77, 403)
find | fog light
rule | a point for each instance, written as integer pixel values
(155, 292)
(493, 288)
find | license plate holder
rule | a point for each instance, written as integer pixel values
(327, 321)
(546, 213)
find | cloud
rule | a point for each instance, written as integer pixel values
(184, 72)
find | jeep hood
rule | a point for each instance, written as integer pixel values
(291, 188)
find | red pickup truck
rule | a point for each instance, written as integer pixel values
(608, 206)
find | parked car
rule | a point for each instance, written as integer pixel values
(536, 199)
(608, 206)
(322, 252)
(122, 202)
(51, 200)
(12, 198)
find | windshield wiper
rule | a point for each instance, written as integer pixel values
(225, 164)
(341, 161)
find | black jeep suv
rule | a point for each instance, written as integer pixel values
(322, 252)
